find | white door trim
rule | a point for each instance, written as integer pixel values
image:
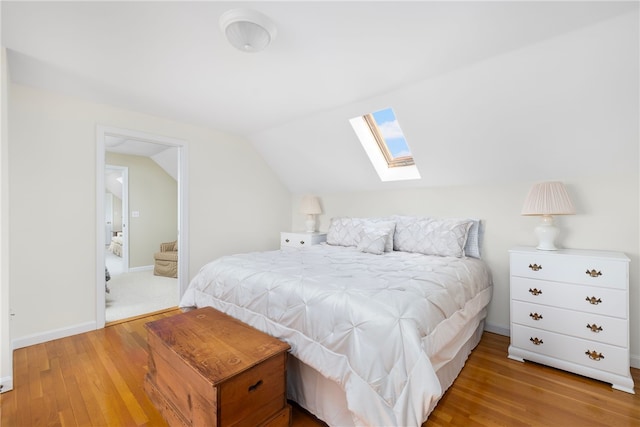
(183, 214)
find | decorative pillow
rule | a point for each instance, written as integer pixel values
(344, 231)
(373, 240)
(389, 228)
(443, 237)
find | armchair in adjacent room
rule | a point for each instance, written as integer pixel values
(166, 261)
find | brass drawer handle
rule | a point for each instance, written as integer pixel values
(593, 273)
(286, 240)
(594, 355)
(536, 341)
(535, 267)
(302, 242)
(594, 328)
(593, 300)
(535, 316)
(535, 292)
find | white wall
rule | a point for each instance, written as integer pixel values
(236, 204)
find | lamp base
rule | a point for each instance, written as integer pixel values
(310, 223)
(547, 233)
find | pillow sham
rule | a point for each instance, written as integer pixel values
(429, 236)
(472, 247)
(344, 231)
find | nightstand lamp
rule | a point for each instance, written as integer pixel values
(547, 199)
(310, 205)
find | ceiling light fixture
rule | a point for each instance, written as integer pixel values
(247, 30)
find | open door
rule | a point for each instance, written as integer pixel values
(110, 136)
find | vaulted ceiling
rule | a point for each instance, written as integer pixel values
(329, 62)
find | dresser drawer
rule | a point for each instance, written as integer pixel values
(604, 272)
(301, 240)
(606, 301)
(604, 329)
(263, 386)
(614, 359)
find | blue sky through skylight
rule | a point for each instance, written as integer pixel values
(391, 132)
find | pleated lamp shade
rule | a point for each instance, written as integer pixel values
(547, 199)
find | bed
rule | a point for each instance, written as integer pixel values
(380, 319)
(115, 246)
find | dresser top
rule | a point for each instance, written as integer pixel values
(619, 256)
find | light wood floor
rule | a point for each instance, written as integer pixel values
(95, 379)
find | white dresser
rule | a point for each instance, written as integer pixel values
(301, 239)
(570, 310)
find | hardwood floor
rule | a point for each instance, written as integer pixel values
(96, 379)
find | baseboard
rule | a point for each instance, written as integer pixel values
(6, 384)
(635, 361)
(500, 330)
(143, 268)
(53, 335)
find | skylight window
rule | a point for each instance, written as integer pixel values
(385, 144)
(388, 135)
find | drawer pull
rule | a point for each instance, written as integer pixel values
(594, 273)
(535, 291)
(286, 240)
(535, 316)
(302, 242)
(594, 328)
(594, 300)
(535, 267)
(255, 386)
(594, 355)
(536, 341)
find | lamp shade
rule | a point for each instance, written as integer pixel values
(310, 205)
(247, 30)
(548, 198)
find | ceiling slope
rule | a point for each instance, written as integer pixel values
(330, 59)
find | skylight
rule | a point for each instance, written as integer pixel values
(385, 144)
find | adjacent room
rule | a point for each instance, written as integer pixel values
(371, 213)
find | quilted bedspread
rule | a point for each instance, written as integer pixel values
(364, 321)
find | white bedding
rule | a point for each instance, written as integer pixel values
(377, 325)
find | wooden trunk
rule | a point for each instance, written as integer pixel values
(209, 369)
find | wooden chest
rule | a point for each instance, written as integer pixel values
(209, 369)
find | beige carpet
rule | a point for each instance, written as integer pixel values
(140, 292)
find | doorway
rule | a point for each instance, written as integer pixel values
(136, 145)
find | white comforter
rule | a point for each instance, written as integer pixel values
(362, 320)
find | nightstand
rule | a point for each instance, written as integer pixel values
(301, 239)
(570, 310)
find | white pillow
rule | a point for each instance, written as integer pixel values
(373, 240)
(344, 231)
(389, 228)
(429, 236)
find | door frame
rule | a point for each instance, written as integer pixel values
(183, 214)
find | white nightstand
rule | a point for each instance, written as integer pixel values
(301, 239)
(570, 310)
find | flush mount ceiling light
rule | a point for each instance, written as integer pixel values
(247, 30)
